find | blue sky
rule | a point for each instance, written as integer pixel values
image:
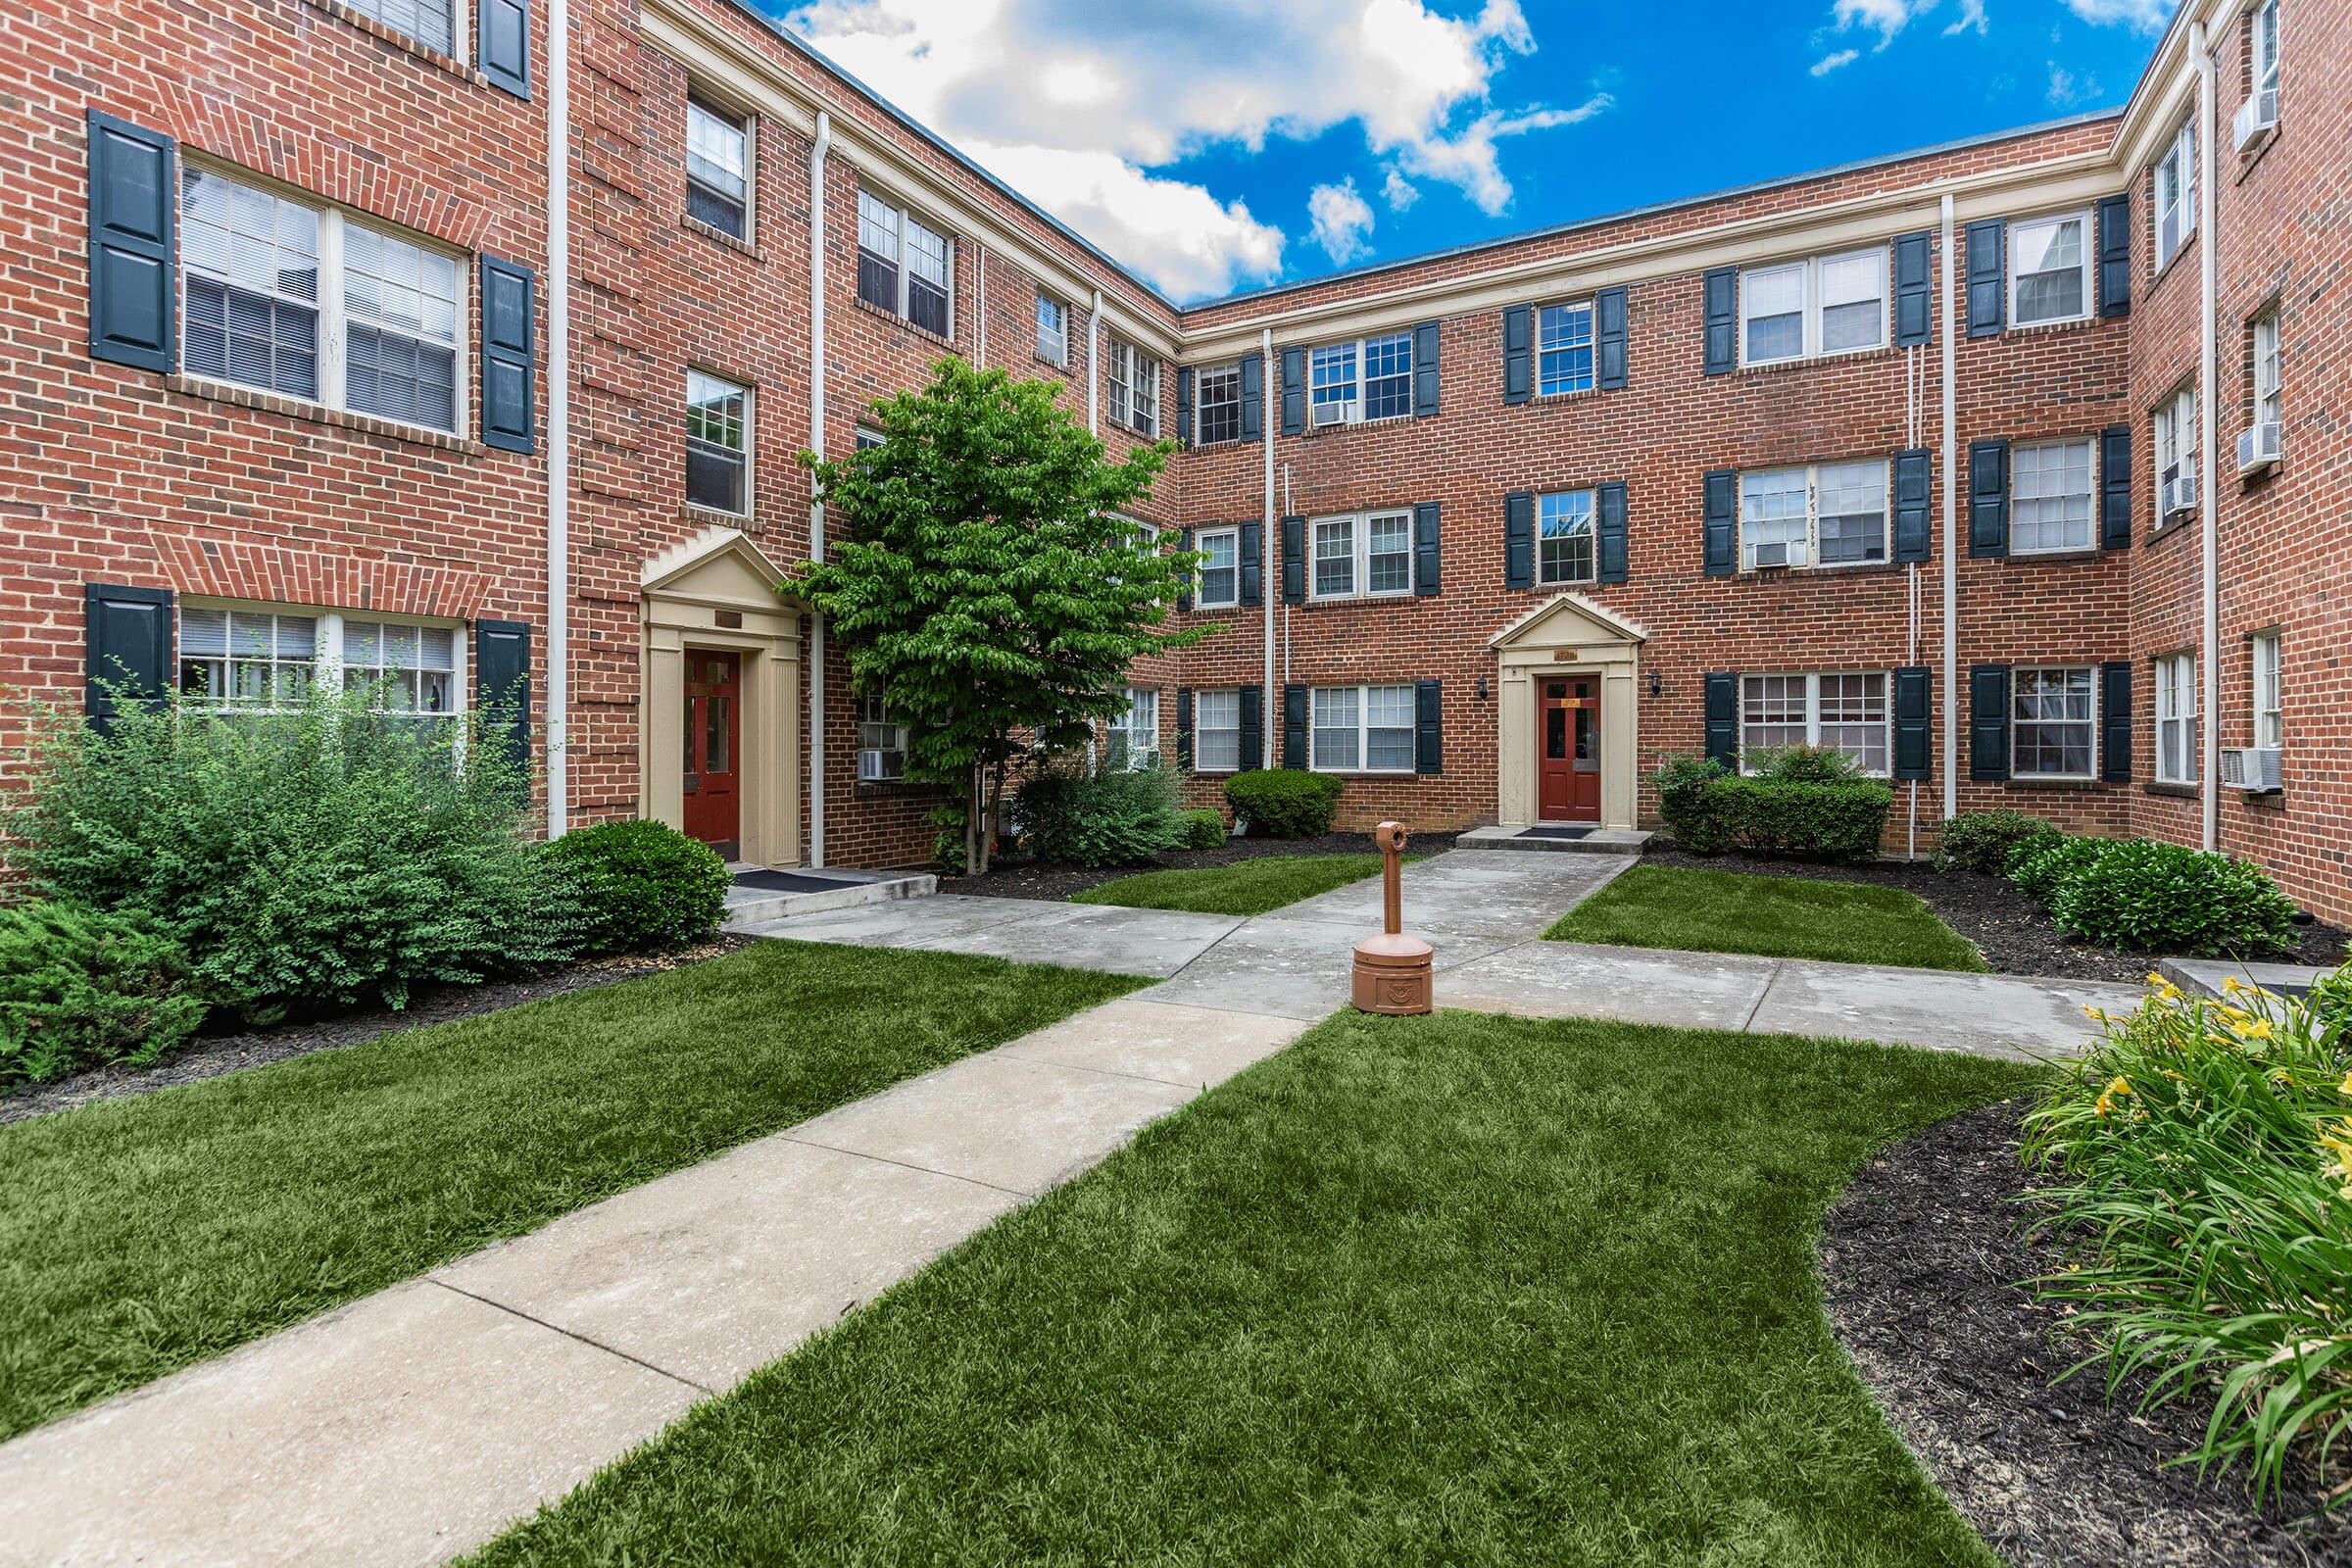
(1216, 145)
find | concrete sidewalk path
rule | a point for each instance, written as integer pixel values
(413, 1424)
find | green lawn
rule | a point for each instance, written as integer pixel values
(145, 1234)
(1244, 887)
(1778, 917)
(1458, 1289)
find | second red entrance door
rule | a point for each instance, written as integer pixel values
(1568, 748)
(714, 746)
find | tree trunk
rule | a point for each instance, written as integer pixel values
(975, 839)
(995, 809)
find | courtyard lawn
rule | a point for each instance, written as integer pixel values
(1778, 916)
(1244, 887)
(1456, 1288)
(140, 1235)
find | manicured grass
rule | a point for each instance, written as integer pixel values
(145, 1234)
(1778, 917)
(1458, 1289)
(1244, 887)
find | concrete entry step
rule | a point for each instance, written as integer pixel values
(1552, 837)
(759, 894)
(2203, 977)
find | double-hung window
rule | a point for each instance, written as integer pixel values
(1135, 734)
(2262, 60)
(408, 668)
(431, 23)
(2270, 706)
(2176, 453)
(1220, 585)
(297, 300)
(2267, 383)
(1361, 730)
(263, 660)
(718, 162)
(2053, 729)
(903, 265)
(1365, 554)
(2050, 269)
(1823, 305)
(881, 742)
(1831, 515)
(1219, 393)
(1564, 348)
(1134, 388)
(2176, 194)
(1052, 331)
(718, 420)
(2177, 718)
(1564, 536)
(1217, 732)
(2050, 496)
(1356, 382)
(1846, 712)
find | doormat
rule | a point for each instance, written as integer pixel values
(1554, 830)
(783, 882)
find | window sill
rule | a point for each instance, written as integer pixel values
(399, 40)
(1050, 362)
(2070, 324)
(2038, 558)
(719, 236)
(1313, 430)
(243, 397)
(2188, 245)
(1852, 569)
(1395, 595)
(696, 511)
(1807, 361)
(1221, 607)
(897, 321)
(2033, 783)
(1368, 772)
(2165, 787)
(2254, 151)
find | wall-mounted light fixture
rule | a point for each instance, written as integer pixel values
(1655, 685)
(1482, 688)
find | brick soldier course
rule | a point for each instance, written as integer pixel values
(176, 484)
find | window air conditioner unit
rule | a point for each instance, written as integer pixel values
(1334, 413)
(2181, 495)
(2258, 446)
(2258, 114)
(874, 764)
(2251, 768)
(1781, 554)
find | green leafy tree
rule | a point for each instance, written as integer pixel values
(982, 586)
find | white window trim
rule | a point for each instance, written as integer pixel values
(751, 445)
(2091, 771)
(327, 658)
(2262, 76)
(1139, 386)
(1813, 560)
(1361, 554)
(1200, 598)
(1201, 376)
(2182, 666)
(2164, 427)
(2089, 267)
(903, 213)
(2269, 400)
(1363, 729)
(2091, 540)
(1137, 760)
(2182, 152)
(885, 722)
(1813, 680)
(1355, 406)
(1592, 310)
(2268, 657)
(1593, 511)
(1809, 307)
(1059, 360)
(716, 104)
(461, 32)
(333, 320)
(1200, 730)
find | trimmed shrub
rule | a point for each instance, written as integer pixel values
(1204, 828)
(643, 886)
(1805, 816)
(80, 988)
(2168, 898)
(318, 857)
(1285, 802)
(1803, 764)
(1983, 841)
(1111, 817)
(2038, 865)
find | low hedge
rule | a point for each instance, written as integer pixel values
(1285, 802)
(81, 989)
(1981, 842)
(2151, 896)
(643, 886)
(1110, 816)
(2039, 867)
(1204, 828)
(1711, 810)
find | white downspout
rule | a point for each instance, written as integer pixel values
(1094, 366)
(1268, 571)
(979, 305)
(2209, 634)
(558, 411)
(1951, 521)
(817, 504)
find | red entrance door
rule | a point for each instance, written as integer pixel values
(1568, 725)
(714, 741)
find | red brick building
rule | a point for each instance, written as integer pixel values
(319, 363)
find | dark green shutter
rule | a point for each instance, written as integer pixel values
(1293, 726)
(1610, 532)
(1722, 514)
(1723, 719)
(1988, 307)
(1184, 729)
(503, 36)
(2114, 487)
(1914, 294)
(508, 355)
(1254, 563)
(1721, 320)
(1294, 391)
(2115, 721)
(1253, 727)
(1609, 340)
(1913, 494)
(1427, 559)
(2115, 255)
(1294, 560)
(1184, 404)
(1988, 498)
(1988, 721)
(1519, 539)
(501, 683)
(1518, 353)
(1425, 369)
(127, 636)
(1428, 751)
(1914, 689)
(133, 297)
(1253, 397)
(1184, 595)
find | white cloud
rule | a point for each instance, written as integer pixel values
(1831, 62)
(1972, 16)
(1151, 84)
(2143, 16)
(1343, 220)
(2068, 90)
(1886, 18)
(1186, 240)
(1399, 192)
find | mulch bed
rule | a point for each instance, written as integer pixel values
(1026, 880)
(210, 1054)
(1919, 1260)
(2015, 937)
